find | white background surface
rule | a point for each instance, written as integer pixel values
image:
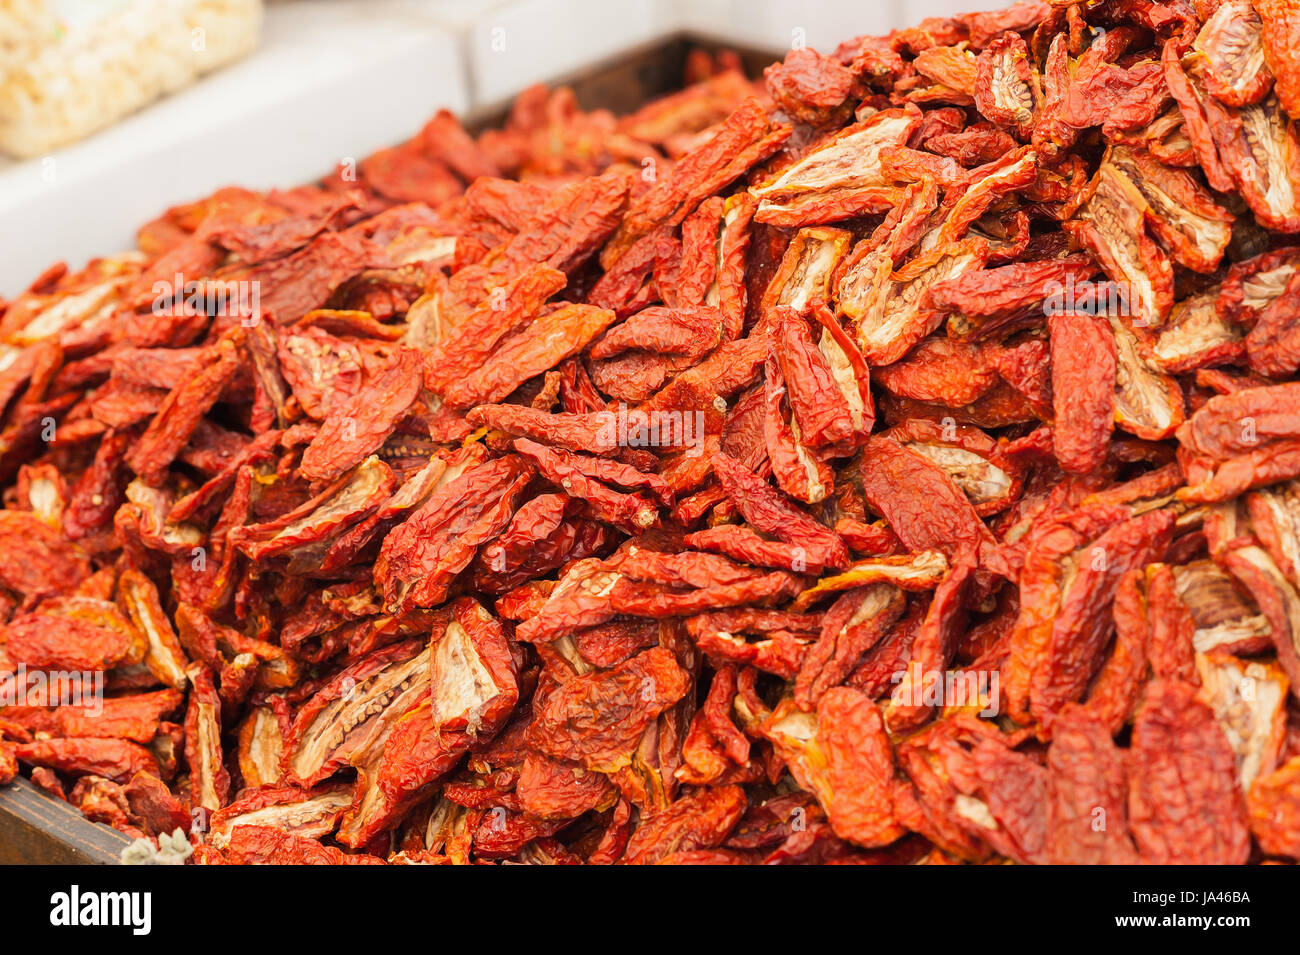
(335, 79)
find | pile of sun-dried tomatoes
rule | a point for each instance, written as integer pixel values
(892, 460)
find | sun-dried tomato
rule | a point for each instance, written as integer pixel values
(926, 797)
(1084, 377)
(800, 471)
(1019, 16)
(1004, 92)
(782, 638)
(470, 689)
(953, 67)
(181, 412)
(1049, 550)
(884, 665)
(921, 571)
(1257, 146)
(1083, 621)
(1274, 806)
(932, 514)
(1273, 345)
(853, 625)
(741, 543)
(308, 813)
(1238, 441)
(35, 560)
(1114, 693)
(421, 558)
(271, 845)
(1184, 802)
(113, 759)
(597, 719)
(72, 633)
(551, 338)
(933, 648)
(737, 588)
(1280, 30)
(841, 753)
(581, 478)
(694, 822)
(808, 86)
(360, 701)
(942, 371)
(770, 513)
(839, 177)
(554, 789)
(746, 137)
(1087, 817)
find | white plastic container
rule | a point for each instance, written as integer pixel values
(74, 67)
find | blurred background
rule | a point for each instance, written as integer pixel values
(112, 110)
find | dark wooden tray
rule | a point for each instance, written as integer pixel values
(626, 81)
(36, 829)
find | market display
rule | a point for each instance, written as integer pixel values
(892, 460)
